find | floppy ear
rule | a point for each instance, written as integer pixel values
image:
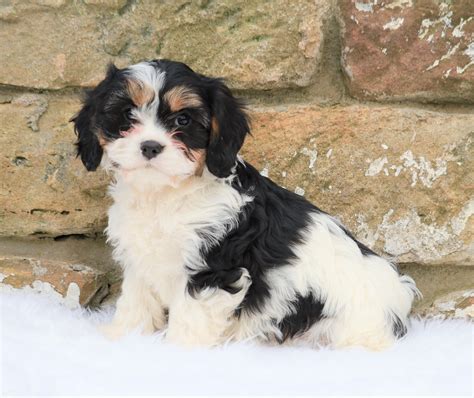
(229, 126)
(88, 146)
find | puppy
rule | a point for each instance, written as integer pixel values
(210, 249)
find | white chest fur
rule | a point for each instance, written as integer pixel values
(155, 231)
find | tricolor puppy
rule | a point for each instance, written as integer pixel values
(211, 250)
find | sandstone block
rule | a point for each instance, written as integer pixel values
(73, 284)
(454, 305)
(404, 49)
(253, 44)
(44, 189)
(402, 179)
(435, 283)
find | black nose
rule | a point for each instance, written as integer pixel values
(150, 149)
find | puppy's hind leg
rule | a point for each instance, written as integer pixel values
(204, 318)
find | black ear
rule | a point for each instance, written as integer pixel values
(88, 146)
(229, 126)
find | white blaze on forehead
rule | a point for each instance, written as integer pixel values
(149, 75)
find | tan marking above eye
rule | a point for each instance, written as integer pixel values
(139, 93)
(181, 97)
(214, 128)
(100, 136)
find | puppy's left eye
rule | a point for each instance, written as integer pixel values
(182, 120)
(129, 115)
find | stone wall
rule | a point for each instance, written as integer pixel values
(366, 107)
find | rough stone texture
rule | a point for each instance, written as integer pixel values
(402, 179)
(436, 282)
(405, 49)
(44, 189)
(72, 249)
(74, 284)
(453, 305)
(254, 44)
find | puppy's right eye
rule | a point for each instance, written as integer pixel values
(129, 115)
(182, 120)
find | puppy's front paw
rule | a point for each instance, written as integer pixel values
(115, 330)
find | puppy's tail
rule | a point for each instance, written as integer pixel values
(400, 315)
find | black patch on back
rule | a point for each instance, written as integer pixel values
(268, 227)
(307, 311)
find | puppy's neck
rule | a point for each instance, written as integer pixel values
(144, 186)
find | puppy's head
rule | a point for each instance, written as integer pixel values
(161, 119)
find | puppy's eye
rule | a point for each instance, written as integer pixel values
(182, 120)
(129, 115)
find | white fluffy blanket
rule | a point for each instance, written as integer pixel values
(48, 349)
